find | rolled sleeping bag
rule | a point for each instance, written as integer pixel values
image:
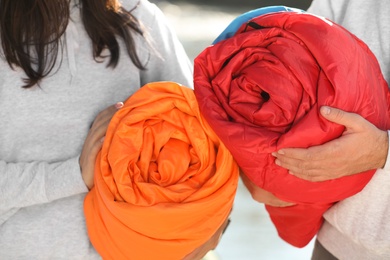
(164, 182)
(261, 90)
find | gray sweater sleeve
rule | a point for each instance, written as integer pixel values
(170, 62)
(323, 7)
(26, 184)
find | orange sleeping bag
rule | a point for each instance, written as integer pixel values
(164, 183)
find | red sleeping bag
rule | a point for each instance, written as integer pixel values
(261, 91)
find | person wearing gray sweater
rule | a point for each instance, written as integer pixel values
(46, 113)
(357, 227)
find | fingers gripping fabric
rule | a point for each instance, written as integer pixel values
(164, 183)
(261, 90)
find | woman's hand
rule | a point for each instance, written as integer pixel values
(362, 147)
(263, 196)
(94, 141)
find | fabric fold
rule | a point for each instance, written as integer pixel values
(164, 182)
(261, 90)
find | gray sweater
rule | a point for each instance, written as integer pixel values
(359, 227)
(42, 131)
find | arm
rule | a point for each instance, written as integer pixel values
(169, 62)
(362, 147)
(26, 184)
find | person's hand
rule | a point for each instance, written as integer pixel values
(263, 196)
(361, 147)
(94, 142)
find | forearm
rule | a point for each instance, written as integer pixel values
(26, 184)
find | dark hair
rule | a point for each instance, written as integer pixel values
(31, 32)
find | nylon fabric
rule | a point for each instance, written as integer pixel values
(237, 22)
(261, 91)
(164, 182)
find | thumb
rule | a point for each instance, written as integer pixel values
(340, 117)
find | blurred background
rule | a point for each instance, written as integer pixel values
(251, 235)
(199, 22)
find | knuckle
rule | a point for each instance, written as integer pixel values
(338, 114)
